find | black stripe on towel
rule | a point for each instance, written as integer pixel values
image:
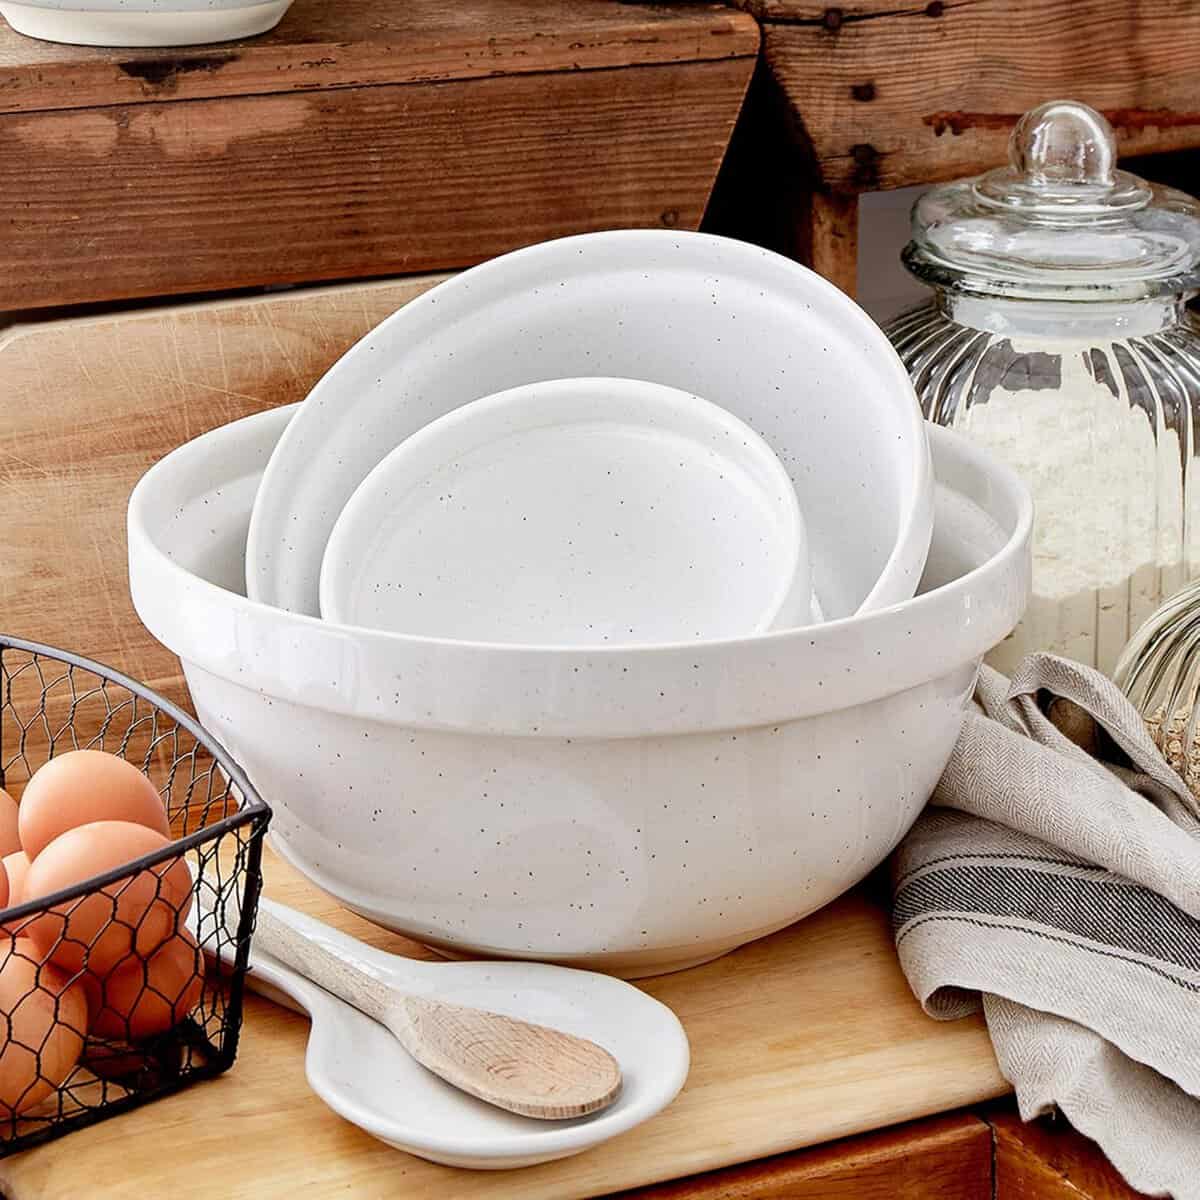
(1114, 913)
(1088, 948)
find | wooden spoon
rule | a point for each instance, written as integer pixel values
(515, 1065)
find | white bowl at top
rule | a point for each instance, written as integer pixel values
(573, 512)
(635, 808)
(765, 338)
(135, 23)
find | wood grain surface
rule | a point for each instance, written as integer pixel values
(891, 94)
(942, 1158)
(833, 238)
(86, 405)
(360, 43)
(140, 200)
(808, 1035)
(1050, 1161)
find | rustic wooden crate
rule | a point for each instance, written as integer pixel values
(361, 138)
(882, 95)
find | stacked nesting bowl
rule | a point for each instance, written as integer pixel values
(637, 808)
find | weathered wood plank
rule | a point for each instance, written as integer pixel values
(892, 94)
(149, 200)
(344, 43)
(833, 238)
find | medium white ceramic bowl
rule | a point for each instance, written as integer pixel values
(134, 23)
(769, 340)
(578, 512)
(636, 809)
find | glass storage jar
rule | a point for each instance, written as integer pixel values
(1058, 337)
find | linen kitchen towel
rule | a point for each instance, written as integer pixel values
(1055, 882)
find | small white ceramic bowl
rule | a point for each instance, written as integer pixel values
(765, 338)
(638, 809)
(579, 512)
(133, 23)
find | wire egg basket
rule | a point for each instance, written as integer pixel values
(127, 986)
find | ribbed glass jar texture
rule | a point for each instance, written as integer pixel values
(1095, 405)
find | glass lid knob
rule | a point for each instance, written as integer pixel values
(1062, 166)
(1064, 142)
(1060, 220)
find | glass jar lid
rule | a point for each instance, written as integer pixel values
(1059, 222)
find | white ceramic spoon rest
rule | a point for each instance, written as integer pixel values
(359, 1069)
(524, 1068)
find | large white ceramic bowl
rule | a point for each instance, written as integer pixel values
(752, 331)
(577, 512)
(134, 23)
(635, 809)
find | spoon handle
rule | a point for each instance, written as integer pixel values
(524, 1068)
(326, 964)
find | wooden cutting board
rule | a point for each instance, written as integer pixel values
(808, 1035)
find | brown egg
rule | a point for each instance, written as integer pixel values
(3, 886)
(10, 839)
(131, 916)
(84, 786)
(142, 998)
(43, 1021)
(15, 867)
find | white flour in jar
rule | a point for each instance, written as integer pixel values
(1109, 507)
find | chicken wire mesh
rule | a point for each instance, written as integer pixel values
(127, 985)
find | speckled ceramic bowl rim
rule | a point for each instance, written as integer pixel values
(556, 404)
(639, 691)
(541, 263)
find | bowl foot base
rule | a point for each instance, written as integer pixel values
(624, 964)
